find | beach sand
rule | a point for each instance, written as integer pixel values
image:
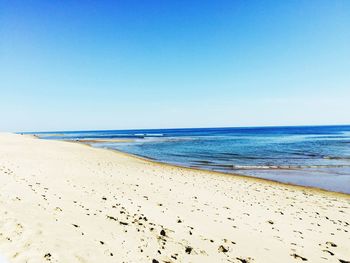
(68, 202)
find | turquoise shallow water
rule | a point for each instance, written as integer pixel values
(316, 156)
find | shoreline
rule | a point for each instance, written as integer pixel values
(242, 176)
(63, 202)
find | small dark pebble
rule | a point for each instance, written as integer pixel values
(48, 256)
(330, 252)
(188, 250)
(331, 244)
(222, 249)
(300, 257)
(112, 218)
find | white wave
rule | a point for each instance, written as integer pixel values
(155, 134)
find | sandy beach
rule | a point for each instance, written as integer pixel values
(69, 202)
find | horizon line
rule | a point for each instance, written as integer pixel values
(184, 128)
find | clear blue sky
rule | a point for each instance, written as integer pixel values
(74, 65)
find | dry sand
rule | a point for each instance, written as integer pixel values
(68, 202)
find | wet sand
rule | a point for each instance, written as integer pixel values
(68, 202)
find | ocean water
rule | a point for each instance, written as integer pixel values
(317, 156)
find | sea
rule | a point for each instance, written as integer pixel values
(316, 156)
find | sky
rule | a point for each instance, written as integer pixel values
(90, 65)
